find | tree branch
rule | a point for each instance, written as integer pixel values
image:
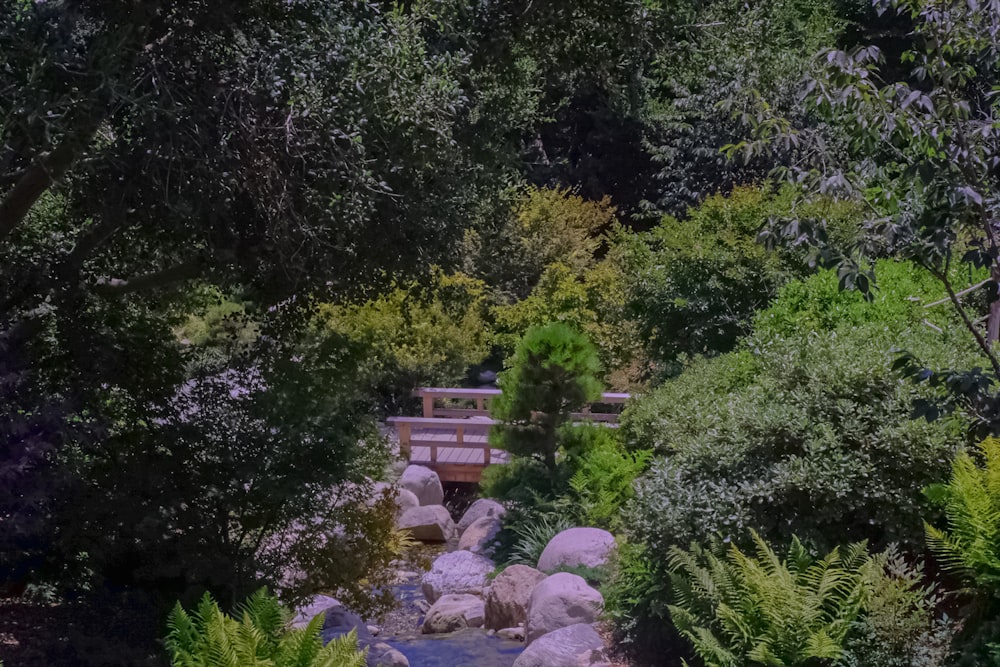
(178, 273)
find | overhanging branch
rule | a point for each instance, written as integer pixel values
(174, 274)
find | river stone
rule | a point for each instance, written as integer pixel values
(316, 605)
(479, 509)
(577, 547)
(561, 600)
(424, 483)
(383, 655)
(454, 612)
(430, 523)
(456, 572)
(480, 536)
(339, 621)
(575, 645)
(513, 634)
(508, 596)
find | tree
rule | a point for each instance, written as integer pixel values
(553, 373)
(921, 156)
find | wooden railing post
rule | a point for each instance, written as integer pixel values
(481, 404)
(428, 405)
(404, 440)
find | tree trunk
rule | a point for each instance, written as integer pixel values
(993, 322)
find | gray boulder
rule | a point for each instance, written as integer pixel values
(577, 547)
(508, 596)
(480, 536)
(383, 655)
(456, 572)
(479, 509)
(430, 523)
(339, 621)
(454, 612)
(513, 634)
(559, 601)
(576, 645)
(404, 498)
(424, 483)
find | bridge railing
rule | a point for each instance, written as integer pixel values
(451, 402)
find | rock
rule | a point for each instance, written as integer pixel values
(456, 572)
(430, 523)
(571, 646)
(480, 536)
(559, 601)
(487, 377)
(316, 605)
(508, 596)
(424, 484)
(405, 499)
(339, 621)
(375, 630)
(577, 547)
(513, 634)
(479, 509)
(383, 655)
(454, 612)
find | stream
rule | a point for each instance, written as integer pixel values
(465, 648)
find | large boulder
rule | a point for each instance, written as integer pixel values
(384, 655)
(339, 621)
(454, 612)
(404, 498)
(479, 537)
(479, 509)
(576, 645)
(561, 600)
(424, 483)
(577, 547)
(456, 572)
(508, 596)
(430, 523)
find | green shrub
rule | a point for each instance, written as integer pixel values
(602, 472)
(900, 626)
(553, 374)
(258, 637)
(738, 609)
(694, 285)
(592, 302)
(811, 436)
(414, 335)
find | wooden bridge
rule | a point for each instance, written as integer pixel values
(452, 436)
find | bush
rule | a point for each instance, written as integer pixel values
(553, 374)
(900, 626)
(737, 609)
(257, 638)
(602, 473)
(414, 335)
(592, 302)
(802, 431)
(547, 227)
(694, 285)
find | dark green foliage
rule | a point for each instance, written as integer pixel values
(901, 625)
(255, 636)
(809, 433)
(762, 610)
(553, 373)
(694, 285)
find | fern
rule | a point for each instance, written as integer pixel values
(737, 609)
(209, 638)
(970, 546)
